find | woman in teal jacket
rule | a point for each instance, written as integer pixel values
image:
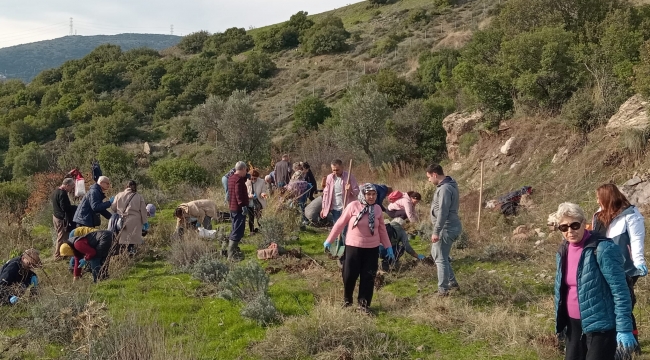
(592, 300)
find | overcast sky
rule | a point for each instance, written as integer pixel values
(34, 20)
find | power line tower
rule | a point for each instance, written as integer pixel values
(71, 27)
(171, 29)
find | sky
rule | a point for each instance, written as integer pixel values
(29, 21)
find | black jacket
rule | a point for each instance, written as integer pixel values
(11, 274)
(101, 241)
(62, 209)
(309, 177)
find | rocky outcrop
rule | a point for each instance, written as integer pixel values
(456, 125)
(633, 114)
(637, 190)
(506, 149)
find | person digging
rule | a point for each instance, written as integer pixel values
(17, 275)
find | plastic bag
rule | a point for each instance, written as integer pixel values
(79, 188)
(207, 234)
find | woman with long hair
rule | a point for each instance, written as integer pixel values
(622, 222)
(131, 205)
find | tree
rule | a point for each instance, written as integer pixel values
(397, 89)
(194, 42)
(309, 113)
(231, 42)
(363, 117)
(116, 162)
(29, 161)
(239, 133)
(435, 69)
(327, 36)
(642, 71)
(170, 173)
(13, 200)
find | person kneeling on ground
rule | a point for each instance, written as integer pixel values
(95, 249)
(592, 300)
(365, 233)
(202, 210)
(399, 240)
(17, 275)
(402, 205)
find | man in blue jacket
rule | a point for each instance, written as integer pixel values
(93, 203)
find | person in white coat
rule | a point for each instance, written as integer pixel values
(622, 222)
(257, 195)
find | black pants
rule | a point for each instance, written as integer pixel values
(631, 281)
(396, 214)
(238, 220)
(590, 346)
(360, 263)
(252, 215)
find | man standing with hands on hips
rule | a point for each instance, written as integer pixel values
(446, 225)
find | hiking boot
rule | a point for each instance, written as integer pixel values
(454, 287)
(234, 253)
(346, 304)
(443, 293)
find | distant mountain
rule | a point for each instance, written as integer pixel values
(27, 60)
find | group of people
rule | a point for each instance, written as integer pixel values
(597, 269)
(77, 231)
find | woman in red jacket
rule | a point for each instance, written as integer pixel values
(366, 231)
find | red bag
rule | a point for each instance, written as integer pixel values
(394, 196)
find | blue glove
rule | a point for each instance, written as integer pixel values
(82, 263)
(145, 227)
(390, 253)
(254, 196)
(112, 199)
(643, 270)
(71, 234)
(327, 245)
(421, 257)
(626, 340)
(34, 281)
(381, 249)
(13, 300)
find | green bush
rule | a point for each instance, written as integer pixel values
(466, 142)
(261, 310)
(13, 198)
(245, 282)
(173, 172)
(117, 162)
(327, 36)
(29, 161)
(578, 112)
(389, 43)
(635, 141)
(210, 270)
(194, 42)
(309, 113)
(418, 16)
(231, 42)
(398, 90)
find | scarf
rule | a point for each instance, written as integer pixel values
(367, 208)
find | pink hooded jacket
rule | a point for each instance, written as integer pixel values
(328, 192)
(405, 203)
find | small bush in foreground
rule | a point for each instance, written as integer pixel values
(261, 309)
(210, 270)
(245, 282)
(329, 333)
(186, 252)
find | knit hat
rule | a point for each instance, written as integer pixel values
(151, 210)
(66, 250)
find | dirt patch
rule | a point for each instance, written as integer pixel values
(293, 253)
(272, 270)
(299, 267)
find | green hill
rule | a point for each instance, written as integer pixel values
(27, 60)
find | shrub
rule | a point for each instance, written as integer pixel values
(310, 113)
(173, 172)
(184, 253)
(278, 225)
(388, 44)
(194, 42)
(329, 333)
(231, 42)
(327, 36)
(578, 112)
(466, 142)
(245, 282)
(13, 200)
(398, 89)
(210, 270)
(635, 141)
(417, 16)
(30, 160)
(261, 310)
(117, 162)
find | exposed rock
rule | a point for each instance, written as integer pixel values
(146, 148)
(560, 156)
(639, 193)
(506, 149)
(456, 166)
(633, 114)
(491, 204)
(514, 165)
(456, 125)
(521, 229)
(633, 181)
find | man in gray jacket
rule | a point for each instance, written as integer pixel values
(446, 225)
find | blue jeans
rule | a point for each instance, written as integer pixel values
(224, 182)
(440, 254)
(238, 220)
(96, 265)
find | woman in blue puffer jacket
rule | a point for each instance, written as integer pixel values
(592, 300)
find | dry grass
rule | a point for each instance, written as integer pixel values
(187, 251)
(329, 333)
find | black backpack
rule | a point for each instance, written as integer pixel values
(392, 234)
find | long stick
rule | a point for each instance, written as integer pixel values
(480, 201)
(345, 196)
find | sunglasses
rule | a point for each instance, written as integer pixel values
(574, 226)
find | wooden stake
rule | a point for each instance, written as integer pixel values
(480, 201)
(345, 196)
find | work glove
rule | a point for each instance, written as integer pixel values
(381, 248)
(626, 340)
(112, 199)
(13, 300)
(327, 245)
(390, 254)
(82, 263)
(421, 257)
(244, 210)
(145, 227)
(643, 270)
(34, 281)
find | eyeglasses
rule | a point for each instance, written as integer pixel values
(574, 226)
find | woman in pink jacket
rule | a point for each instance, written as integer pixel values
(366, 231)
(402, 205)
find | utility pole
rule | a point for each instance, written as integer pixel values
(171, 29)
(71, 27)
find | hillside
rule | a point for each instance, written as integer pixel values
(27, 60)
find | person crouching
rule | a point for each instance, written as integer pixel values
(366, 231)
(95, 249)
(17, 275)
